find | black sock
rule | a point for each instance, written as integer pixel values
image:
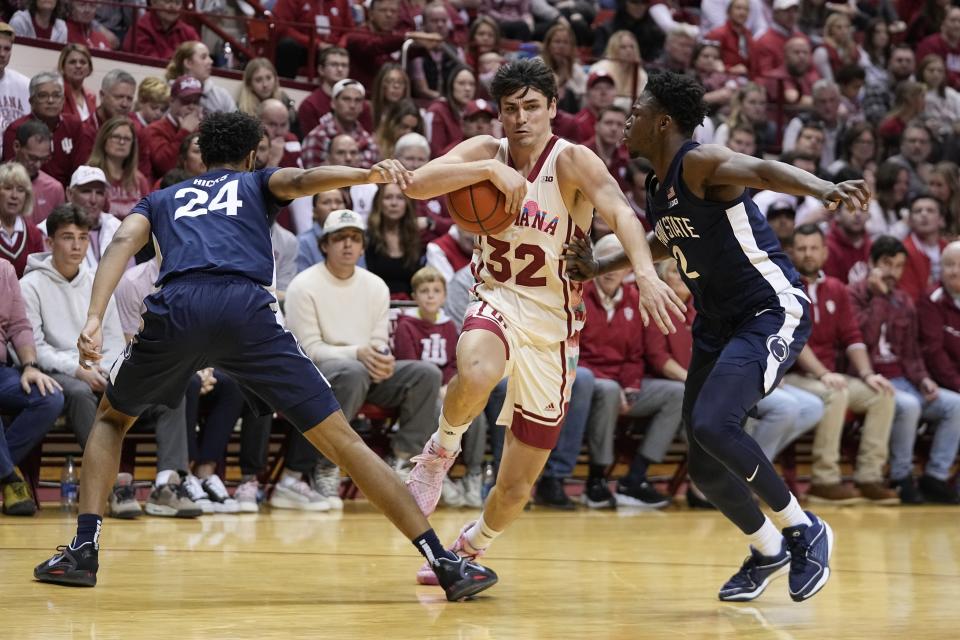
(428, 544)
(88, 530)
(597, 472)
(638, 471)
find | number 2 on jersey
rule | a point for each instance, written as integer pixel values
(682, 263)
(226, 199)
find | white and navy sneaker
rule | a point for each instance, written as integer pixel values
(756, 573)
(810, 548)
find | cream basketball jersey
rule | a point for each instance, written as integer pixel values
(520, 271)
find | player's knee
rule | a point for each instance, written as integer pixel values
(479, 377)
(514, 492)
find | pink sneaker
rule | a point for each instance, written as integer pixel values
(425, 482)
(461, 547)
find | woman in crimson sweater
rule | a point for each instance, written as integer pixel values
(939, 316)
(734, 38)
(446, 128)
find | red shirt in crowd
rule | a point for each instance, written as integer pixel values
(889, 328)
(613, 349)
(160, 147)
(939, 315)
(436, 342)
(847, 261)
(317, 104)
(679, 346)
(86, 35)
(47, 194)
(369, 51)
(70, 108)
(121, 199)
(736, 44)
(316, 145)
(446, 129)
(951, 56)
(329, 17)
(834, 322)
(15, 328)
(768, 50)
(26, 239)
(916, 280)
(149, 38)
(617, 166)
(71, 145)
(779, 81)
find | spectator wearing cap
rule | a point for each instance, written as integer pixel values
(285, 149)
(14, 86)
(945, 44)
(782, 218)
(939, 315)
(768, 49)
(160, 31)
(333, 64)
(806, 209)
(373, 44)
(791, 84)
(429, 71)
(734, 38)
(622, 61)
(826, 109)
(88, 194)
(31, 148)
(308, 250)
(607, 143)
(83, 29)
(301, 25)
(18, 239)
(160, 142)
(601, 92)
(71, 143)
(348, 342)
(347, 104)
(446, 114)
(477, 119)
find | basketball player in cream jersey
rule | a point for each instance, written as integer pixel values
(527, 312)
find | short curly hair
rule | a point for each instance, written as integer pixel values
(228, 138)
(680, 96)
(529, 72)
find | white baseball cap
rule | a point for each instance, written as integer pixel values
(86, 174)
(342, 219)
(348, 82)
(783, 5)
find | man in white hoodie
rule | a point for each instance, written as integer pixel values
(56, 290)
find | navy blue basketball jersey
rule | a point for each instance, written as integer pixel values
(218, 222)
(726, 252)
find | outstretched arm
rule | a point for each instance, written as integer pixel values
(714, 166)
(588, 173)
(287, 184)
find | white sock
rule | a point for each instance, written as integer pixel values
(163, 477)
(290, 477)
(449, 436)
(767, 540)
(480, 535)
(791, 515)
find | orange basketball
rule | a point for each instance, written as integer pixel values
(479, 208)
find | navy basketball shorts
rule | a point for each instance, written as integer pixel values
(762, 346)
(228, 322)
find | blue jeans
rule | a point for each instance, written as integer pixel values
(34, 416)
(564, 456)
(943, 414)
(785, 415)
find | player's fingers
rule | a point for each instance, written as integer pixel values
(678, 305)
(665, 319)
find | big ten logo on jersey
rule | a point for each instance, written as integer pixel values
(434, 349)
(531, 216)
(226, 199)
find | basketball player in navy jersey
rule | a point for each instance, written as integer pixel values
(213, 309)
(752, 320)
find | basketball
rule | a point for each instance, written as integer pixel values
(479, 208)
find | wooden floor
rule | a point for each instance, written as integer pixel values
(582, 575)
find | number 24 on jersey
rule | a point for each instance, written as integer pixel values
(225, 200)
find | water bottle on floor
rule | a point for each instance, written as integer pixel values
(68, 486)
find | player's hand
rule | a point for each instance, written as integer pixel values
(579, 262)
(879, 384)
(207, 380)
(929, 389)
(44, 383)
(93, 377)
(90, 342)
(833, 381)
(387, 171)
(658, 300)
(511, 183)
(853, 194)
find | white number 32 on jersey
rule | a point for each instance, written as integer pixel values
(226, 199)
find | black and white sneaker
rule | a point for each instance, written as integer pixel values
(756, 573)
(550, 493)
(641, 495)
(70, 567)
(218, 495)
(462, 578)
(597, 494)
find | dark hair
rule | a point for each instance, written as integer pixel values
(790, 157)
(32, 128)
(808, 229)
(410, 242)
(811, 122)
(174, 176)
(330, 51)
(63, 216)
(228, 138)
(743, 128)
(185, 147)
(886, 246)
(847, 173)
(925, 195)
(849, 73)
(854, 131)
(681, 97)
(531, 73)
(614, 108)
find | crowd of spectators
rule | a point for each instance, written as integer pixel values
(845, 90)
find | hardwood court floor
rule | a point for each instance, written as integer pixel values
(582, 575)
